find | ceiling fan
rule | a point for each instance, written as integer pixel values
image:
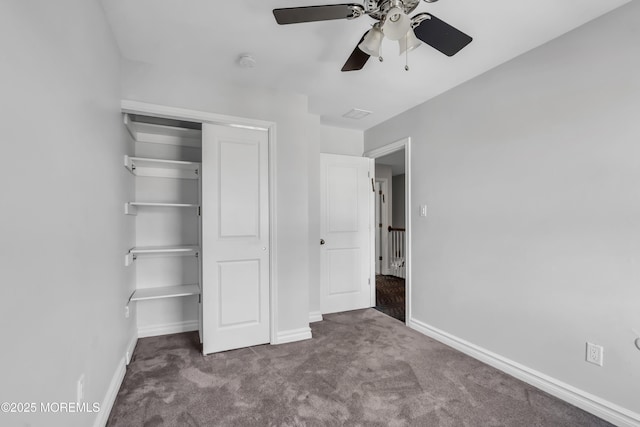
(393, 23)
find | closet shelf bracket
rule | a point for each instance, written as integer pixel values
(129, 259)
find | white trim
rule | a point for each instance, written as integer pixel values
(293, 335)
(387, 149)
(112, 392)
(168, 328)
(407, 225)
(580, 398)
(315, 316)
(372, 236)
(155, 110)
(130, 348)
(137, 107)
(273, 236)
(404, 143)
(116, 382)
(385, 219)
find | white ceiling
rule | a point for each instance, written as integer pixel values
(209, 35)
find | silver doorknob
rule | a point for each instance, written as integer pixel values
(264, 249)
(322, 241)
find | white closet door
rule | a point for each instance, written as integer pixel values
(347, 205)
(235, 238)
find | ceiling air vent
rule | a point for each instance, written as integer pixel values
(356, 114)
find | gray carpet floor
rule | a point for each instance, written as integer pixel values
(361, 368)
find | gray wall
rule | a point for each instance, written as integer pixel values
(384, 172)
(63, 284)
(531, 174)
(398, 200)
(335, 140)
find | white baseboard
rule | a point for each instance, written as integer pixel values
(167, 328)
(116, 382)
(315, 316)
(131, 346)
(293, 335)
(112, 392)
(604, 409)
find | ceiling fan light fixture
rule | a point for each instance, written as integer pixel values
(372, 42)
(396, 24)
(409, 42)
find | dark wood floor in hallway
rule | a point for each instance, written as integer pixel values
(390, 296)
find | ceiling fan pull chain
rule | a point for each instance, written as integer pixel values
(406, 54)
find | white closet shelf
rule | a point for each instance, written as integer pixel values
(142, 166)
(165, 292)
(163, 133)
(159, 250)
(131, 208)
(164, 249)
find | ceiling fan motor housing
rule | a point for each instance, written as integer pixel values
(377, 9)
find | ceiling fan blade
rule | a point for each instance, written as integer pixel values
(295, 15)
(440, 35)
(357, 59)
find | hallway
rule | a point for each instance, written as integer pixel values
(390, 296)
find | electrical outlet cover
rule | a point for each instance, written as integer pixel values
(594, 353)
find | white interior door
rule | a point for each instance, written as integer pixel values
(235, 238)
(347, 212)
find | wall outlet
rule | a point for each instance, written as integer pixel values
(594, 353)
(80, 389)
(126, 311)
(423, 210)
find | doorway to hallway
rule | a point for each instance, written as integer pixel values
(393, 239)
(390, 296)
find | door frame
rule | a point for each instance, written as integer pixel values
(155, 110)
(404, 143)
(384, 220)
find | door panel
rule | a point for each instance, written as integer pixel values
(235, 238)
(342, 207)
(239, 188)
(345, 226)
(343, 277)
(239, 293)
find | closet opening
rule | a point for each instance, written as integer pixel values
(164, 156)
(201, 258)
